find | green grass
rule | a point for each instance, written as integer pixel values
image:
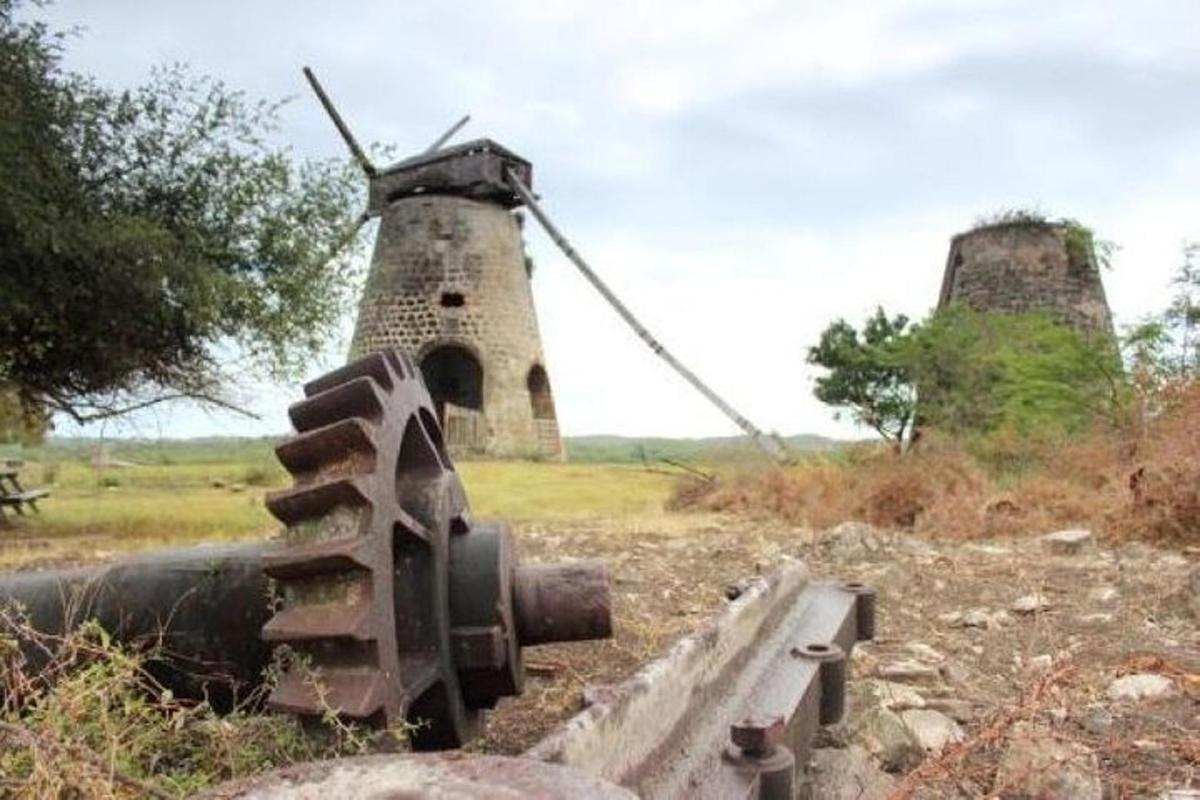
(99, 513)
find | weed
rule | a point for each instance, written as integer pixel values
(91, 722)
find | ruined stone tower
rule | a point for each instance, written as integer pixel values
(449, 282)
(1028, 266)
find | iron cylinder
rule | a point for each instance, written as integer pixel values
(562, 602)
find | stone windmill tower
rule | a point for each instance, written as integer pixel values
(1026, 266)
(449, 283)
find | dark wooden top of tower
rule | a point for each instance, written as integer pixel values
(474, 170)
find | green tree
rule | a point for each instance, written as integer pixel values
(154, 243)
(864, 375)
(978, 373)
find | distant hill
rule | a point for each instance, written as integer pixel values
(717, 448)
(259, 450)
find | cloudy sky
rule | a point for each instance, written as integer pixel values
(740, 172)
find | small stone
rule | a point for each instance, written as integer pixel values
(1038, 664)
(1141, 686)
(925, 653)
(852, 539)
(954, 673)
(957, 710)
(1069, 542)
(886, 737)
(1103, 594)
(1057, 715)
(932, 729)
(950, 618)
(894, 696)
(1097, 721)
(1096, 619)
(848, 774)
(976, 618)
(909, 671)
(1029, 604)
(1038, 766)
(1000, 619)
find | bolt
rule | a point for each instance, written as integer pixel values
(757, 735)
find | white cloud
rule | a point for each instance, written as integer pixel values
(742, 172)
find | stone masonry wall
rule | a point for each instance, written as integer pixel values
(1026, 268)
(433, 245)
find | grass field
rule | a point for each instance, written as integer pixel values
(95, 513)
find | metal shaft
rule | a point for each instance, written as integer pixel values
(201, 609)
(767, 444)
(343, 128)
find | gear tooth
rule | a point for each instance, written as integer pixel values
(357, 694)
(306, 623)
(311, 502)
(375, 366)
(360, 397)
(320, 557)
(341, 449)
(400, 363)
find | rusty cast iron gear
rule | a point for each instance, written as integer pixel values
(364, 575)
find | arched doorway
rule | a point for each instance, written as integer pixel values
(539, 392)
(453, 376)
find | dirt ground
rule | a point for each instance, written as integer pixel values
(960, 608)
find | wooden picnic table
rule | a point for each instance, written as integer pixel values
(13, 496)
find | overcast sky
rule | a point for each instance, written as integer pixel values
(740, 172)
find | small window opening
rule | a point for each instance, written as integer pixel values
(453, 300)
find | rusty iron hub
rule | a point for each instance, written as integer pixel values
(401, 609)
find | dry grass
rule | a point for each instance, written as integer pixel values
(1143, 485)
(81, 716)
(93, 515)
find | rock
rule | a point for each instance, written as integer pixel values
(217, 483)
(954, 673)
(1038, 664)
(1000, 619)
(932, 729)
(1097, 721)
(1103, 594)
(851, 539)
(1069, 542)
(1184, 603)
(1096, 619)
(975, 618)
(894, 696)
(847, 774)
(950, 618)
(957, 710)
(1037, 766)
(237, 488)
(909, 671)
(1029, 604)
(886, 737)
(1141, 686)
(925, 653)
(1191, 591)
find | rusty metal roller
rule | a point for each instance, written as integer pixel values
(401, 609)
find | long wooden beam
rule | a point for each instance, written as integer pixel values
(768, 444)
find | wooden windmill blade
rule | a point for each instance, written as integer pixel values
(445, 137)
(355, 150)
